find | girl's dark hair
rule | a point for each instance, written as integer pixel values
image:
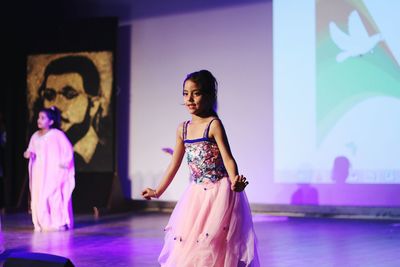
(53, 114)
(207, 84)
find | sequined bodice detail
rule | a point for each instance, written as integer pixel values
(204, 158)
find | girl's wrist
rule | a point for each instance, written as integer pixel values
(155, 193)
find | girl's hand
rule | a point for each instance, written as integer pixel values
(149, 193)
(29, 155)
(239, 183)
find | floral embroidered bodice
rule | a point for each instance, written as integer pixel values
(203, 156)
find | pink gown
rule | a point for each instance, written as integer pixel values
(211, 225)
(51, 181)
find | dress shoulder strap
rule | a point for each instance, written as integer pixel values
(184, 130)
(207, 130)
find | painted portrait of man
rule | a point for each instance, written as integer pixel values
(80, 86)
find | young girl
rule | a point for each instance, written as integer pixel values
(211, 224)
(51, 174)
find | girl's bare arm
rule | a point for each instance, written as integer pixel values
(177, 156)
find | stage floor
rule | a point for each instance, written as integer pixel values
(136, 239)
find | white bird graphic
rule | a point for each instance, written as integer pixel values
(357, 42)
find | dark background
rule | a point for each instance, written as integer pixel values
(47, 27)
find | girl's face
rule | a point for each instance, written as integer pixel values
(195, 101)
(43, 121)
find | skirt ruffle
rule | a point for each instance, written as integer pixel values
(211, 226)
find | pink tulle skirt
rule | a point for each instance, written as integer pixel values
(211, 226)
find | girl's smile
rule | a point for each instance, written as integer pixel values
(191, 106)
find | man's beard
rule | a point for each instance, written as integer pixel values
(77, 131)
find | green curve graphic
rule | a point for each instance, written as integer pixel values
(340, 86)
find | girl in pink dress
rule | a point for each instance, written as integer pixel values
(211, 224)
(51, 174)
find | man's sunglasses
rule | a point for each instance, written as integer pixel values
(68, 92)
